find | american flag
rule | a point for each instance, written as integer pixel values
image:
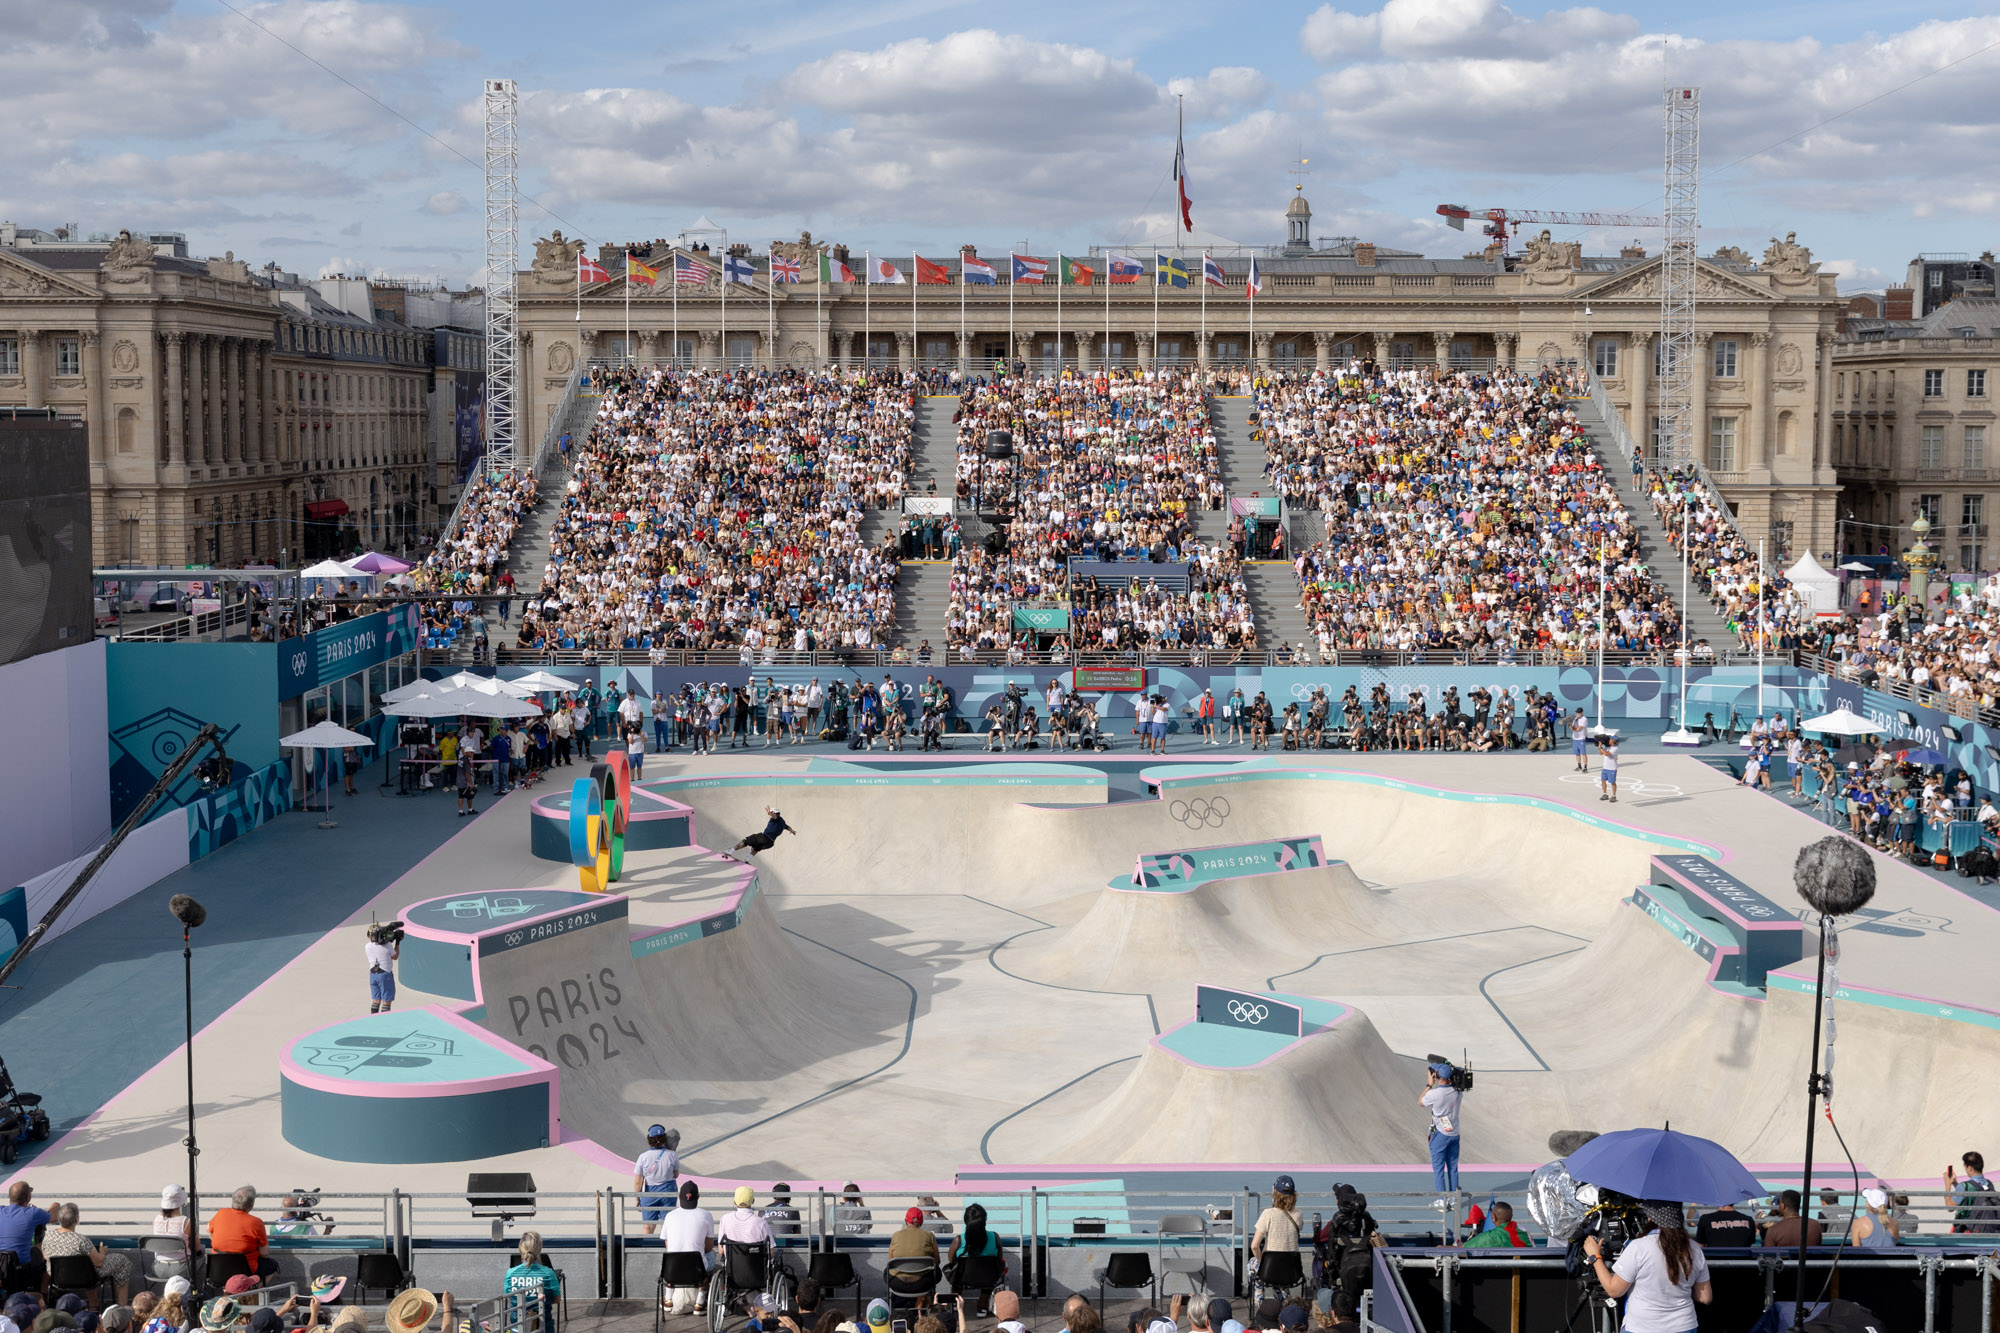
(784, 270)
(691, 270)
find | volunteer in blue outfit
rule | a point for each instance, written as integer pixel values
(1442, 1101)
(655, 1173)
(533, 1276)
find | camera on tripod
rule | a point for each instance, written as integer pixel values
(1459, 1076)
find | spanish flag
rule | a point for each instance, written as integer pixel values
(637, 273)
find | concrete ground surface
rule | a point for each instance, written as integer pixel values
(962, 988)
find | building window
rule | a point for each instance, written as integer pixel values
(1725, 358)
(1975, 447)
(1971, 510)
(69, 357)
(1722, 444)
(1975, 384)
(1931, 447)
(10, 356)
(1933, 384)
(1604, 358)
(1402, 353)
(1931, 507)
(1656, 436)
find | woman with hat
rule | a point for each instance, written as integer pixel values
(1876, 1228)
(654, 1174)
(173, 1218)
(1664, 1272)
(1278, 1225)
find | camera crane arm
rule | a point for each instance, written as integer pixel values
(208, 735)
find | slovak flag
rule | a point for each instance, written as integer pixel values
(976, 270)
(1211, 272)
(589, 270)
(1029, 270)
(1252, 284)
(784, 270)
(1124, 268)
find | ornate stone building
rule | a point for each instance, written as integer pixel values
(234, 416)
(1766, 331)
(1913, 432)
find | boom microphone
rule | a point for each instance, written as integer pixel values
(1834, 876)
(186, 910)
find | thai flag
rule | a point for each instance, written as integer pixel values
(1029, 270)
(976, 270)
(1211, 272)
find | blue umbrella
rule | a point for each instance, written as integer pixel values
(1665, 1165)
(1926, 758)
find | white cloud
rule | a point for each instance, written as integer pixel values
(1416, 28)
(444, 203)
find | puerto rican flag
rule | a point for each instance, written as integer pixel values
(784, 270)
(976, 270)
(1029, 270)
(589, 270)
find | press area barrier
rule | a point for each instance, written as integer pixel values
(1054, 1241)
(1443, 1291)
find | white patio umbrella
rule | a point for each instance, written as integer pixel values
(327, 569)
(324, 736)
(1842, 721)
(413, 690)
(462, 703)
(465, 680)
(1856, 567)
(541, 682)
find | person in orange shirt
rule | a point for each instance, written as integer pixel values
(237, 1230)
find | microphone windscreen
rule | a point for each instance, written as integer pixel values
(1834, 875)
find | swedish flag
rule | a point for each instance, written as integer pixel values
(1169, 271)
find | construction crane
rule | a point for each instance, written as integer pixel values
(1501, 223)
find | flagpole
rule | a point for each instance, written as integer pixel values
(1010, 305)
(676, 358)
(916, 353)
(722, 320)
(1059, 287)
(964, 362)
(1156, 304)
(867, 294)
(1203, 345)
(1104, 361)
(1253, 330)
(819, 285)
(771, 295)
(628, 305)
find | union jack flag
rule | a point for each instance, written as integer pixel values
(691, 271)
(784, 270)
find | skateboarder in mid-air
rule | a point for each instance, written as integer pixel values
(761, 842)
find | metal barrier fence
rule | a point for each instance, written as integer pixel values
(1052, 1241)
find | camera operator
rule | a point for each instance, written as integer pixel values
(1441, 1098)
(384, 947)
(1665, 1273)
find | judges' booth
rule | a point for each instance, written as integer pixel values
(1263, 519)
(1040, 626)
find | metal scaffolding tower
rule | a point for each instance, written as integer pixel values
(1678, 428)
(503, 332)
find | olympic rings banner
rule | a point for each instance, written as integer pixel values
(1247, 1009)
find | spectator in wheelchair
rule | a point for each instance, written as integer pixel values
(533, 1276)
(745, 1226)
(689, 1229)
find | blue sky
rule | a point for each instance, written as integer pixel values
(922, 124)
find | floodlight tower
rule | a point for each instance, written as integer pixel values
(1678, 428)
(503, 333)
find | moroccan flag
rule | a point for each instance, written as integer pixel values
(637, 273)
(1075, 274)
(931, 274)
(833, 270)
(589, 270)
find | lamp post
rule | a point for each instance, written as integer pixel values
(190, 914)
(1921, 561)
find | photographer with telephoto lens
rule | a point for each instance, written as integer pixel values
(1663, 1274)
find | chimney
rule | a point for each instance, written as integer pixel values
(971, 250)
(1898, 302)
(1364, 254)
(1632, 251)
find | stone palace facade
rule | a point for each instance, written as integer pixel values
(1766, 332)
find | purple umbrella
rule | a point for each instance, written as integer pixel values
(1664, 1165)
(377, 563)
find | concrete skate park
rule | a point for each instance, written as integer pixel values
(1037, 971)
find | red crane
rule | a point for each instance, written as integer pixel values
(1501, 223)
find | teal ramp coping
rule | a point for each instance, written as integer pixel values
(962, 775)
(1167, 780)
(1923, 1005)
(1706, 938)
(1183, 870)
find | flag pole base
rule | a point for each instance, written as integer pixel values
(1681, 738)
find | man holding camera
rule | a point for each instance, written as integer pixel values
(1441, 1098)
(383, 947)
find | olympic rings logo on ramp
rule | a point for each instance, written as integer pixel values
(1201, 812)
(1244, 1011)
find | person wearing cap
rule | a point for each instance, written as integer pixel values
(1441, 1099)
(1875, 1228)
(774, 828)
(1502, 1234)
(744, 1226)
(173, 1219)
(220, 1315)
(1663, 1275)
(1278, 1225)
(783, 1214)
(913, 1240)
(654, 1175)
(877, 1318)
(689, 1229)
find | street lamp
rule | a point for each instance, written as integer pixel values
(190, 914)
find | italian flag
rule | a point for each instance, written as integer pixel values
(832, 270)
